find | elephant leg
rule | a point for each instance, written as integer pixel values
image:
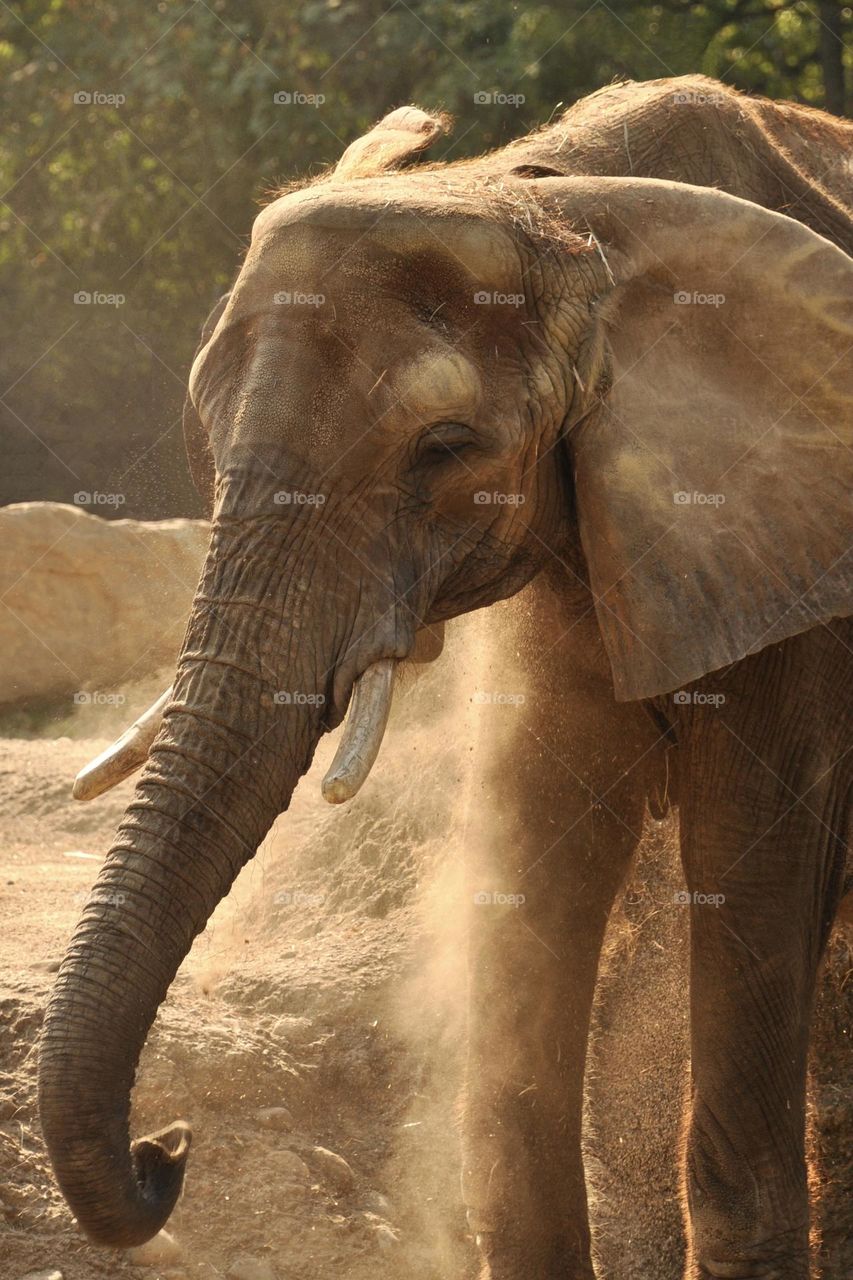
(564, 776)
(763, 819)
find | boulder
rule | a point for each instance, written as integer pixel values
(333, 1169)
(87, 604)
(276, 1118)
(289, 1167)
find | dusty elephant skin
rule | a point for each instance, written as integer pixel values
(578, 365)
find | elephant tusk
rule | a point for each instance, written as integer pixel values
(125, 755)
(362, 737)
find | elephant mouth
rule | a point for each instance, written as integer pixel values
(367, 704)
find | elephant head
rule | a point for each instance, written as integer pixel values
(424, 387)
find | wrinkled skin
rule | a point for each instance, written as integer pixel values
(391, 404)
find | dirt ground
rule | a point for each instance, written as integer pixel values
(323, 1012)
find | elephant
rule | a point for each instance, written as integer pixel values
(605, 367)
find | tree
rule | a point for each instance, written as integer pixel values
(146, 189)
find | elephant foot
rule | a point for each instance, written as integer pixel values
(519, 1255)
(783, 1256)
(753, 1271)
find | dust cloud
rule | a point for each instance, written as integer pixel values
(105, 713)
(380, 889)
(315, 1037)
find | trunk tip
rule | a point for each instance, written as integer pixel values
(167, 1145)
(159, 1160)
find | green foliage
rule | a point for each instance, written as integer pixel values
(153, 197)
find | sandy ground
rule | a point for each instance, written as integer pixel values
(330, 987)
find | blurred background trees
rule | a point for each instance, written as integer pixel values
(139, 138)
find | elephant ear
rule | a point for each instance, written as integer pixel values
(391, 143)
(714, 462)
(196, 442)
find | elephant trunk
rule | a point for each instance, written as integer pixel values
(231, 750)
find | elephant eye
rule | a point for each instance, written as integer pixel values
(445, 442)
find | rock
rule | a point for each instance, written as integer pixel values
(90, 599)
(333, 1169)
(247, 1268)
(289, 1167)
(42, 1275)
(277, 1118)
(386, 1237)
(158, 1252)
(289, 1029)
(290, 1195)
(379, 1203)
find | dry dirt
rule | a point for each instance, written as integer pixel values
(331, 986)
